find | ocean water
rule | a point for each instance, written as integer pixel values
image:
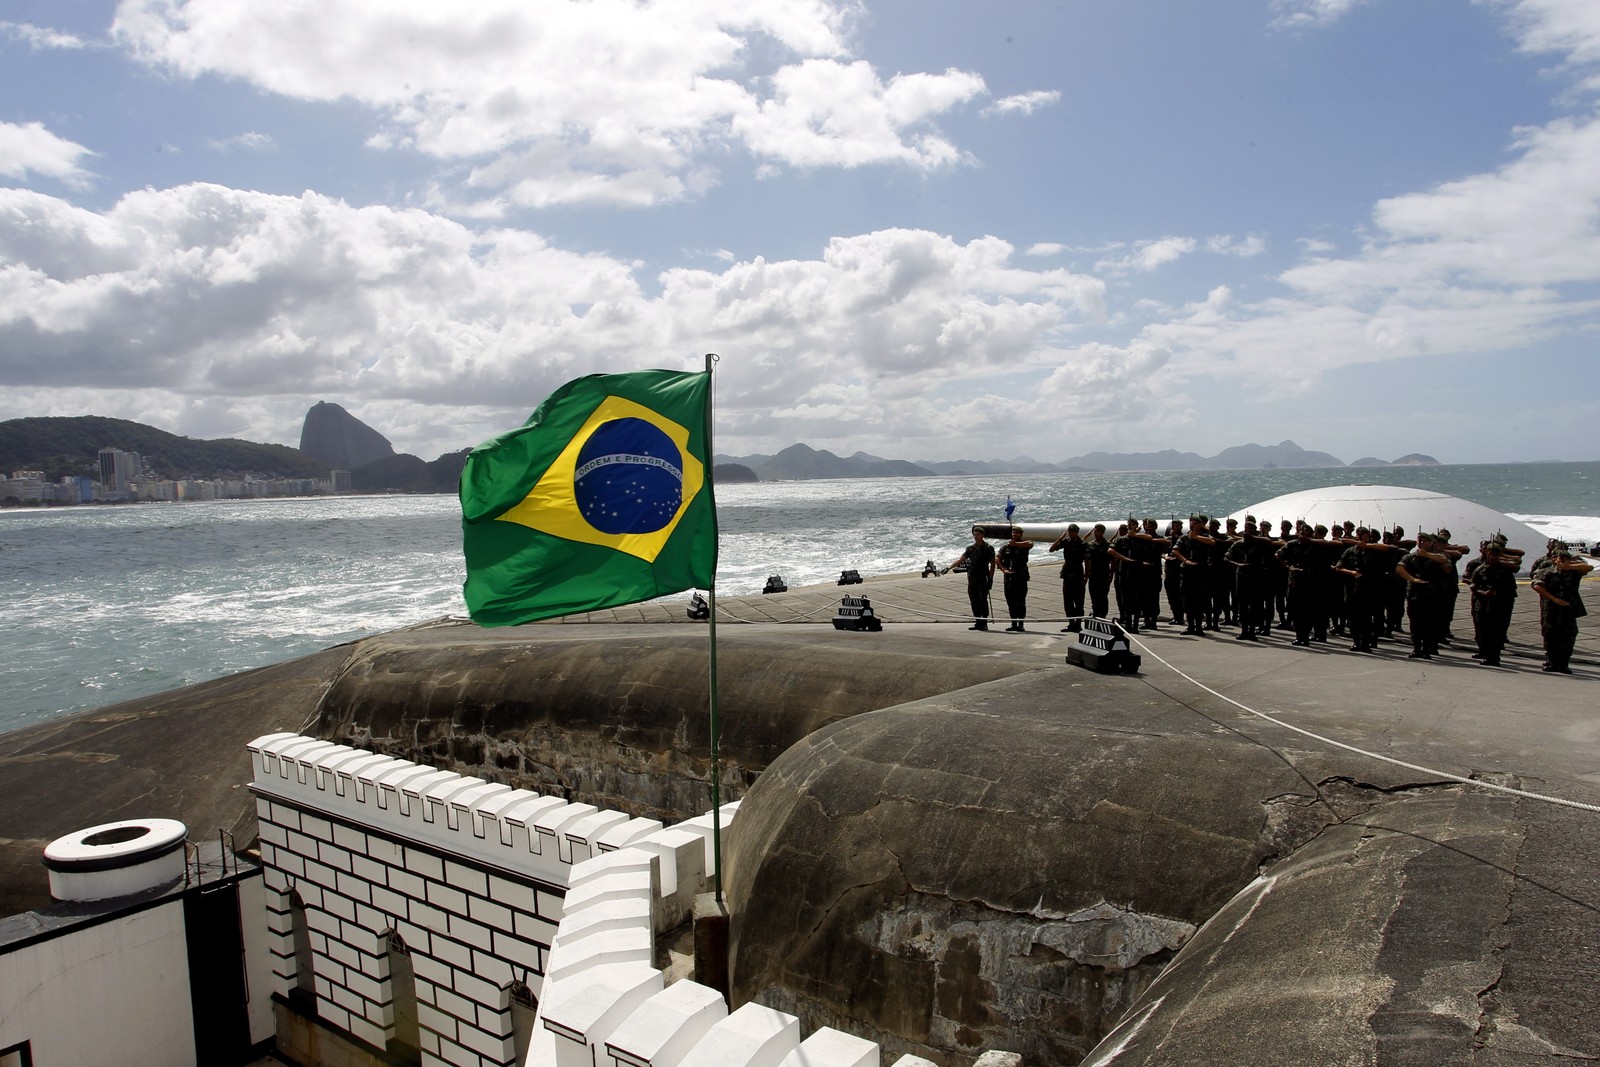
(102, 604)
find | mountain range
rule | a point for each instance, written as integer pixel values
(65, 446)
(331, 437)
(800, 462)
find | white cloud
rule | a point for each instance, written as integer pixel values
(1302, 14)
(1569, 28)
(1226, 245)
(1045, 248)
(1107, 382)
(1535, 222)
(33, 149)
(1492, 262)
(1024, 103)
(249, 142)
(1148, 255)
(1482, 264)
(42, 38)
(269, 303)
(611, 102)
(827, 113)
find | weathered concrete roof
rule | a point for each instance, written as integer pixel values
(950, 853)
(1424, 920)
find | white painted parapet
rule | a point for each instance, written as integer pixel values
(666, 1027)
(834, 1048)
(584, 1008)
(486, 889)
(753, 1036)
(604, 1006)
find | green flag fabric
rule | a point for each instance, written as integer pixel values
(603, 497)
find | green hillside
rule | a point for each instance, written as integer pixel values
(408, 474)
(71, 446)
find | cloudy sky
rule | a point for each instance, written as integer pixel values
(928, 229)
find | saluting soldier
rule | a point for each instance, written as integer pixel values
(1560, 605)
(1126, 566)
(1425, 574)
(1150, 547)
(1221, 575)
(1172, 572)
(1192, 551)
(1012, 561)
(1097, 556)
(1245, 558)
(1447, 603)
(1492, 578)
(979, 558)
(1366, 564)
(1074, 554)
(1303, 561)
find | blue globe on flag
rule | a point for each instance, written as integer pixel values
(629, 478)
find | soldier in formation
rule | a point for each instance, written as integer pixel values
(1074, 556)
(1308, 567)
(1172, 573)
(1151, 547)
(1125, 566)
(1426, 573)
(1492, 577)
(1315, 581)
(1555, 579)
(1192, 551)
(1012, 561)
(1221, 575)
(979, 560)
(1097, 554)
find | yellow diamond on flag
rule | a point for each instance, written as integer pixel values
(623, 481)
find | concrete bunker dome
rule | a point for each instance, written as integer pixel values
(946, 877)
(1385, 506)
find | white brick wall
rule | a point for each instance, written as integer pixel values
(470, 875)
(486, 884)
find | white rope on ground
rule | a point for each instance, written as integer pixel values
(957, 616)
(723, 616)
(1525, 794)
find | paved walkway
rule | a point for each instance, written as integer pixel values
(908, 598)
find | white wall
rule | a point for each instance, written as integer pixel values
(115, 992)
(258, 958)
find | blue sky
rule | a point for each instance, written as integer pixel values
(925, 229)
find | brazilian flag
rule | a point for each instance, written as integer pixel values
(603, 497)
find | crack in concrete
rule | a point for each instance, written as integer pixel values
(1488, 1008)
(1389, 790)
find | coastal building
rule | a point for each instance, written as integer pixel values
(119, 471)
(77, 490)
(31, 487)
(23, 486)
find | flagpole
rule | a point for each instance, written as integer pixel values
(716, 740)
